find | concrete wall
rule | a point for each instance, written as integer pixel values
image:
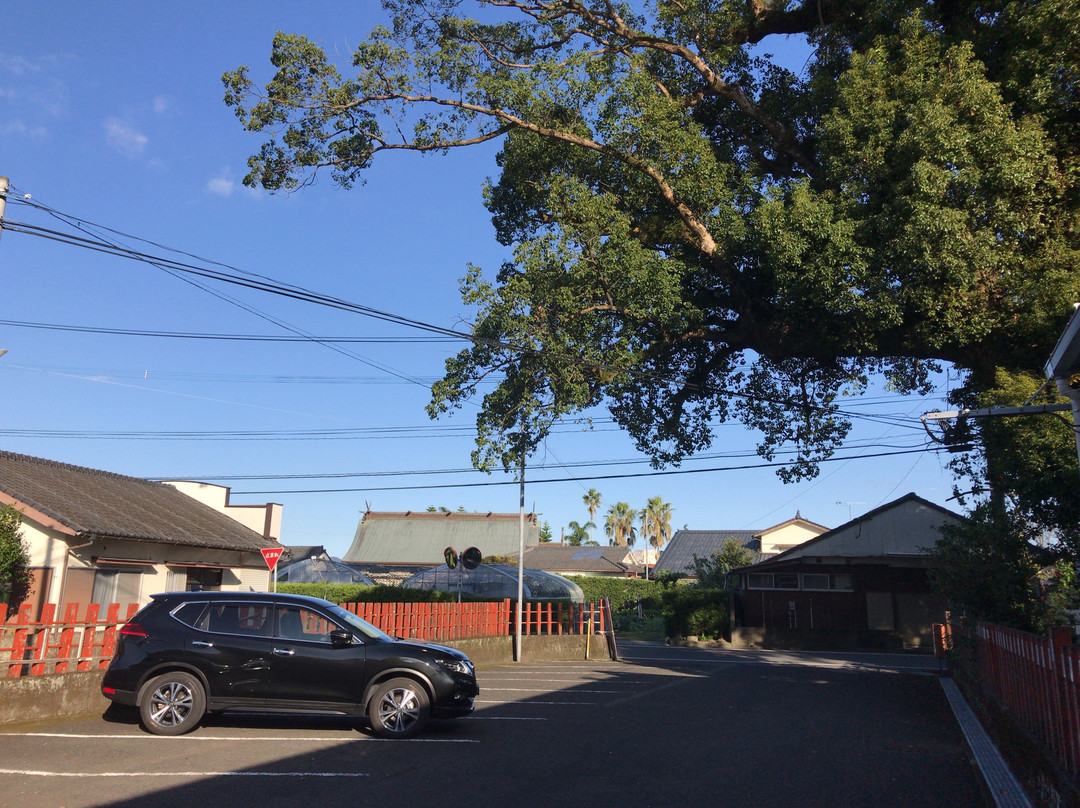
(40, 698)
(816, 640)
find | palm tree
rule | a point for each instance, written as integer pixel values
(579, 534)
(592, 504)
(619, 525)
(656, 521)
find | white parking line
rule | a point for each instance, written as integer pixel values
(541, 690)
(142, 774)
(232, 738)
(531, 703)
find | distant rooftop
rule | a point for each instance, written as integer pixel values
(678, 556)
(420, 537)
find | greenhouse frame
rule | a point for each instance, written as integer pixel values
(497, 581)
(321, 570)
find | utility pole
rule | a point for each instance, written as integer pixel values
(1061, 367)
(521, 556)
(3, 200)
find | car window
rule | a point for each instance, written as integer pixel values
(249, 619)
(298, 623)
(358, 623)
(189, 613)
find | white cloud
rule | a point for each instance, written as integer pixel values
(19, 127)
(17, 65)
(162, 104)
(221, 186)
(124, 138)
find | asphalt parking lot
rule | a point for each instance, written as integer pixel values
(661, 727)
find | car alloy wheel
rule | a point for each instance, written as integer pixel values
(399, 708)
(173, 704)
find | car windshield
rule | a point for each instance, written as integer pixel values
(361, 625)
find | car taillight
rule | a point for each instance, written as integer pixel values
(133, 630)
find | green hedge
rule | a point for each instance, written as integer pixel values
(623, 592)
(358, 593)
(702, 612)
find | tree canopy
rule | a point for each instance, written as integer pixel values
(701, 234)
(712, 572)
(619, 525)
(15, 576)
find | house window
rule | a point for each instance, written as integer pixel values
(201, 579)
(786, 580)
(759, 580)
(842, 583)
(815, 581)
(820, 582)
(116, 586)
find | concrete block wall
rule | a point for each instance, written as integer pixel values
(40, 698)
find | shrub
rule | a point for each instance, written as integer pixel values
(693, 611)
(623, 592)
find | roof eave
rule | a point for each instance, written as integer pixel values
(38, 516)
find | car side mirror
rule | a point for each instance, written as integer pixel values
(341, 637)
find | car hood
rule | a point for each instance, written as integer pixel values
(444, 650)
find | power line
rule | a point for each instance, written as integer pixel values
(236, 277)
(591, 478)
(131, 332)
(265, 284)
(470, 470)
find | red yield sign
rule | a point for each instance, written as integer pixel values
(271, 555)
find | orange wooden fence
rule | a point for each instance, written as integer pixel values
(84, 639)
(1038, 679)
(61, 644)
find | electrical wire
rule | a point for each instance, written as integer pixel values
(591, 478)
(265, 284)
(132, 332)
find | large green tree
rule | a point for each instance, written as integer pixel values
(14, 558)
(700, 234)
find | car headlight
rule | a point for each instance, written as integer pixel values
(457, 666)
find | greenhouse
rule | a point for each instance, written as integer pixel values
(497, 581)
(321, 570)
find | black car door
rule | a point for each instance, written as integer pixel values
(232, 644)
(308, 666)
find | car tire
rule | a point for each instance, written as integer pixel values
(172, 704)
(399, 708)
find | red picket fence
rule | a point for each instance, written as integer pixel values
(459, 621)
(1038, 680)
(63, 644)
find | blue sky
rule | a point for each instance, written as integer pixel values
(112, 112)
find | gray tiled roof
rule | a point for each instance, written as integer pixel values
(420, 537)
(99, 503)
(678, 556)
(590, 559)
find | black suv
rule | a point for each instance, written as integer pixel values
(189, 653)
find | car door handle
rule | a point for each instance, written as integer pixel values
(284, 651)
(202, 644)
